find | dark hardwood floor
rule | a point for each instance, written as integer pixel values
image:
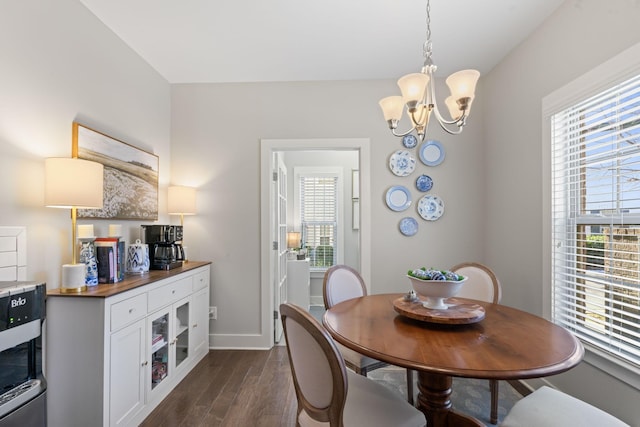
(237, 388)
(232, 388)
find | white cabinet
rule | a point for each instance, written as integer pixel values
(299, 283)
(112, 357)
(127, 390)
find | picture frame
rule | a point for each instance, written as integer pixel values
(130, 176)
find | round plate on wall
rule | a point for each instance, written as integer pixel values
(431, 153)
(409, 141)
(431, 207)
(408, 226)
(398, 198)
(424, 183)
(402, 163)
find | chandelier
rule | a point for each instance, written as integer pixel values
(418, 95)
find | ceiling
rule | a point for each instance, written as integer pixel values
(196, 41)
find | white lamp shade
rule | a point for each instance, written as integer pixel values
(73, 183)
(452, 106)
(392, 107)
(413, 87)
(181, 200)
(293, 239)
(463, 83)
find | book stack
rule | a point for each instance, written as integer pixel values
(110, 253)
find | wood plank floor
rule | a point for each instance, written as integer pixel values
(232, 388)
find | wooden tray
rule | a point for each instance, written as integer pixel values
(460, 312)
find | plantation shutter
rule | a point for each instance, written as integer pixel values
(596, 219)
(319, 217)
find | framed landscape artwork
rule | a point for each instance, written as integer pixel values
(130, 176)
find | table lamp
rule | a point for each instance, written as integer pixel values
(293, 243)
(293, 239)
(181, 201)
(72, 184)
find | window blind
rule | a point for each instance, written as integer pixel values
(319, 218)
(596, 219)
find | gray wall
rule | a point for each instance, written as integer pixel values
(578, 36)
(60, 64)
(216, 132)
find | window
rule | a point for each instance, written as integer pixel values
(595, 219)
(319, 207)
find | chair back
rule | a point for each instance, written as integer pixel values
(482, 283)
(341, 283)
(317, 368)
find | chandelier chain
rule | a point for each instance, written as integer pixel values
(427, 47)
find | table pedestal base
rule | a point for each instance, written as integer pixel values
(434, 400)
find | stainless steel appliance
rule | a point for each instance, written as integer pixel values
(22, 384)
(165, 245)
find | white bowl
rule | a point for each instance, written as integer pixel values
(435, 291)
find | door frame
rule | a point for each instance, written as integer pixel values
(267, 148)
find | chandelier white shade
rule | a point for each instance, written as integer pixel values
(419, 97)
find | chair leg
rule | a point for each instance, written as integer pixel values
(410, 386)
(493, 386)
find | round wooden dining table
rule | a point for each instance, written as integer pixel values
(506, 344)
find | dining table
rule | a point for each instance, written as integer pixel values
(474, 339)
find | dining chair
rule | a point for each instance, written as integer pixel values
(482, 284)
(341, 283)
(553, 408)
(330, 395)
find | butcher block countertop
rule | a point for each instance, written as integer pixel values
(131, 281)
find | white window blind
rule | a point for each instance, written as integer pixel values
(319, 218)
(595, 190)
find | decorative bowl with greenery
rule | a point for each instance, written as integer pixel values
(435, 285)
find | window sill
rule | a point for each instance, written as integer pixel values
(611, 365)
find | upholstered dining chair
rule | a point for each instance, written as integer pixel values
(549, 407)
(330, 395)
(341, 283)
(483, 285)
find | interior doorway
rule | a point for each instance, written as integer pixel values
(270, 274)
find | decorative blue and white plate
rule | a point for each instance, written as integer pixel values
(431, 153)
(398, 198)
(409, 141)
(424, 183)
(408, 226)
(402, 163)
(431, 207)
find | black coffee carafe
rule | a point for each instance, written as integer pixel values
(164, 254)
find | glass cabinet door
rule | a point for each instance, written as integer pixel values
(159, 349)
(182, 332)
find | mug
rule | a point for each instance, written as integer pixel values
(138, 257)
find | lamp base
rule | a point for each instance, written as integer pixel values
(65, 290)
(73, 278)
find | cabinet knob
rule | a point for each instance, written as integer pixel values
(131, 310)
(195, 325)
(145, 363)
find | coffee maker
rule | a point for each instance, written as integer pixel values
(165, 246)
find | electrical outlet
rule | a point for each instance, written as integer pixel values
(213, 313)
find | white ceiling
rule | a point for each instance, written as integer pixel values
(190, 41)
